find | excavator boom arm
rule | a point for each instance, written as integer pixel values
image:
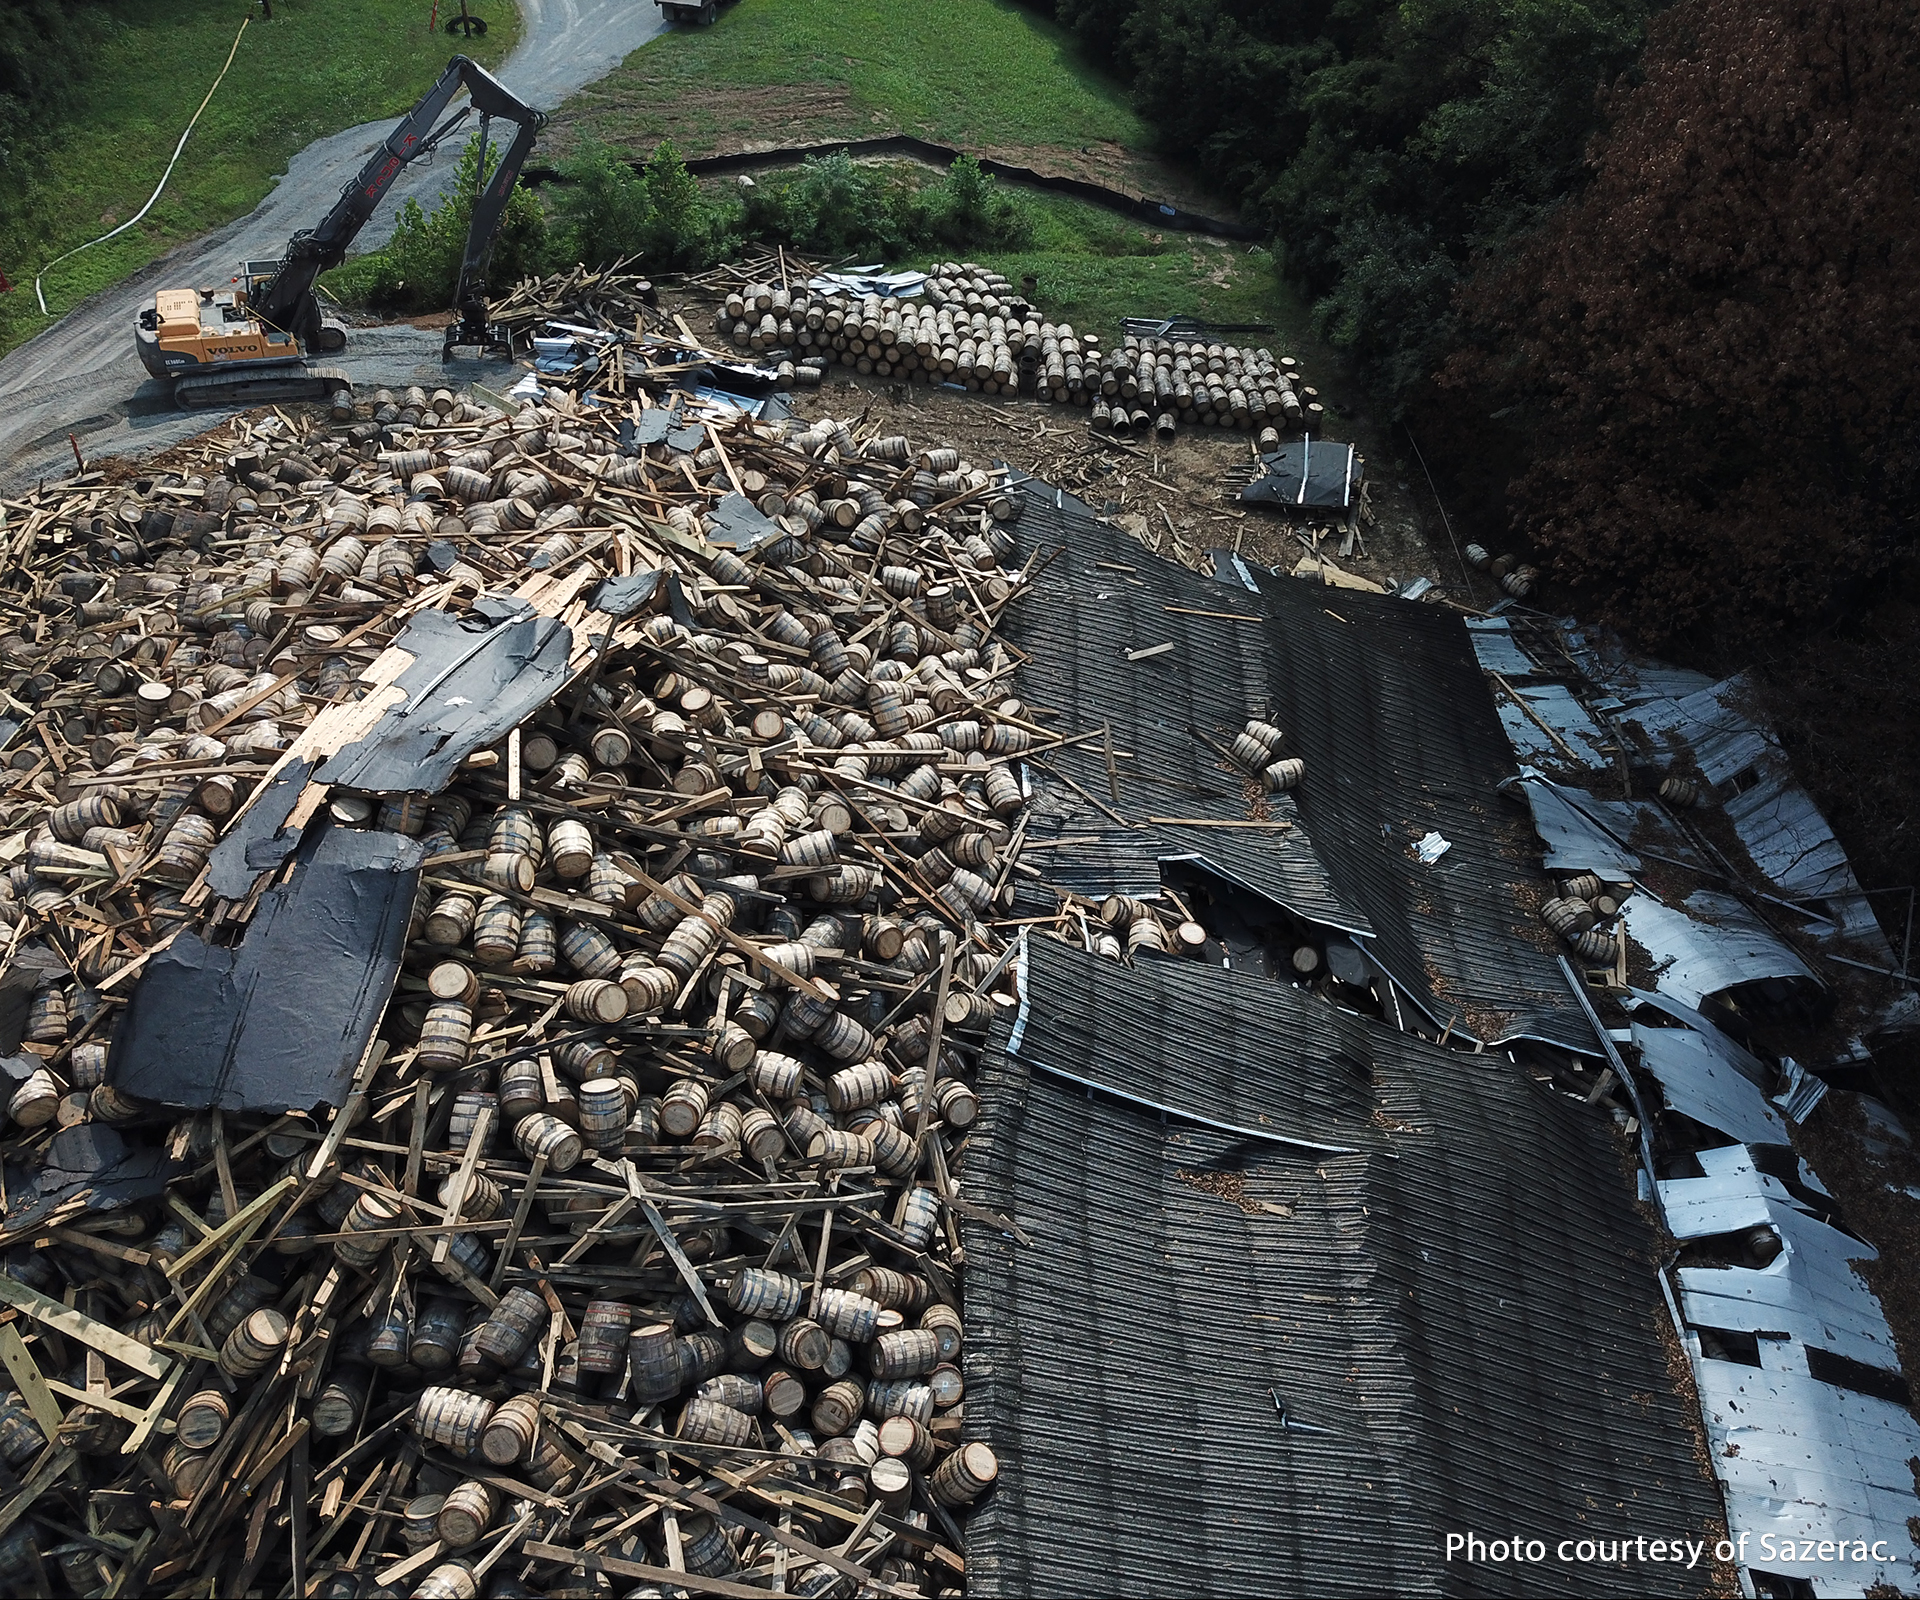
(489, 209)
(287, 301)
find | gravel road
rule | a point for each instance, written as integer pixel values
(82, 377)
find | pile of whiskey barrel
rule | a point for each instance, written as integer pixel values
(631, 1256)
(968, 328)
(1154, 384)
(1586, 914)
(1512, 574)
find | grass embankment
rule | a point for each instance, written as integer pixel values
(1095, 267)
(982, 75)
(317, 67)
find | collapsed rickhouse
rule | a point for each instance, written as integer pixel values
(613, 991)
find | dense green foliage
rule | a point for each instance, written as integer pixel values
(43, 45)
(834, 206)
(658, 219)
(1390, 144)
(1709, 354)
(419, 268)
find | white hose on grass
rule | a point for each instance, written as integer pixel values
(156, 193)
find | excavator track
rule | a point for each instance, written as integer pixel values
(258, 385)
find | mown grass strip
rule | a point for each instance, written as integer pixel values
(979, 74)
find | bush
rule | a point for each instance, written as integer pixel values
(834, 206)
(419, 267)
(656, 218)
(972, 212)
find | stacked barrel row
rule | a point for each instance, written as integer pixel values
(966, 329)
(1155, 384)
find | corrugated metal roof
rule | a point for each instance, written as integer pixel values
(1586, 834)
(1581, 834)
(1387, 704)
(1382, 698)
(1801, 1460)
(1578, 729)
(1708, 944)
(1702, 1076)
(1108, 1023)
(1077, 626)
(1712, 724)
(1461, 1321)
(1496, 649)
(1799, 1457)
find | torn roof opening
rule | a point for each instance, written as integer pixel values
(1388, 709)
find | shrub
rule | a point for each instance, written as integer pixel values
(657, 218)
(834, 206)
(972, 212)
(419, 267)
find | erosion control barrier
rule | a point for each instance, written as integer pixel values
(1157, 212)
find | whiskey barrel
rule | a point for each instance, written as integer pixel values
(464, 1514)
(254, 1345)
(762, 1292)
(654, 1364)
(709, 1422)
(903, 1353)
(202, 1419)
(511, 1431)
(604, 1337)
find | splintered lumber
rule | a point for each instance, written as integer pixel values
(635, 1175)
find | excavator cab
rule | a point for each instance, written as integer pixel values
(251, 340)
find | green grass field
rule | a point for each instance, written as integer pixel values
(1095, 268)
(983, 74)
(317, 67)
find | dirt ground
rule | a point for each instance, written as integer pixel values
(1178, 498)
(1175, 499)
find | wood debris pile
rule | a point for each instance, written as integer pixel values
(607, 299)
(629, 1254)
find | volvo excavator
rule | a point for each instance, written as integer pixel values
(253, 341)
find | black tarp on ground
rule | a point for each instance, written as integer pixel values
(1467, 1307)
(1306, 475)
(280, 1021)
(1386, 703)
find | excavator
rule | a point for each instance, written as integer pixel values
(253, 341)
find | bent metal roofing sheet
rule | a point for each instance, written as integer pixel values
(1224, 1367)
(1800, 1458)
(1385, 702)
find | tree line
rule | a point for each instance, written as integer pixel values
(1645, 275)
